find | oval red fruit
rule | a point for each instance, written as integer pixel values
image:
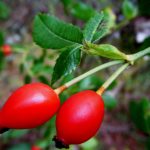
(29, 106)
(79, 118)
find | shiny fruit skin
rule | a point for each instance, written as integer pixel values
(29, 106)
(6, 49)
(79, 118)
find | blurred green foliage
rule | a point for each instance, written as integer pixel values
(4, 10)
(140, 114)
(129, 9)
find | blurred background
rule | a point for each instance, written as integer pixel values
(126, 124)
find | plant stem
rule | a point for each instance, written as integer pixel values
(111, 79)
(92, 71)
(140, 54)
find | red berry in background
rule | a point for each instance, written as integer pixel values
(35, 148)
(79, 118)
(6, 49)
(29, 106)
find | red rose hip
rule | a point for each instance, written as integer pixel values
(28, 107)
(79, 118)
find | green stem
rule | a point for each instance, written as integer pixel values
(112, 78)
(103, 66)
(138, 55)
(92, 71)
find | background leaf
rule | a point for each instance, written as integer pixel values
(140, 114)
(4, 10)
(49, 32)
(67, 62)
(109, 101)
(91, 82)
(66, 3)
(82, 11)
(91, 27)
(129, 9)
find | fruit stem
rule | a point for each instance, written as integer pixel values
(101, 90)
(88, 73)
(140, 54)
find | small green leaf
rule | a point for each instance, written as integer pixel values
(82, 11)
(129, 9)
(105, 50)
(103, 28)
(92, 26)
(110, 17)
(67, 62)
(4, 10)
(49, 32)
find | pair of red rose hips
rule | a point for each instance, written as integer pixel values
(78, 119)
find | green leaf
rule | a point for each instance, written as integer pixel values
(105, 50)
(82, 11)
(67, 78)
(129, 9)
(67, 62)
(92, 26)
(104, 27)
(49, 32)
(4, 10)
